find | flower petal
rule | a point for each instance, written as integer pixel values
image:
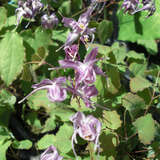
(92, 55)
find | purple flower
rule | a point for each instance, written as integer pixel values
(28, 9)
(86, 71)
(72, 52)
(50, 153)
(49, 21)
(148, 5)
(80, 27)
(88, 128)
(130, 5)
(85, 92)
(56, 91)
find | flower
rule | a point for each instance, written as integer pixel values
(71, 52)
(87, 127)
(56, 91)
(86, 71)
(49, 21)
(147, 5)
(28, 9)
(85, 92)
(130, 5)
(80, 27)
(50, 153)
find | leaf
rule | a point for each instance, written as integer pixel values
(24, 144)
(150, 45)
(12, 57)
(65, 8)
(60, 35)
(134, 104)
(146, 128)
(105, 29)
(45, 141)
(62, 140)
(135, 27)
(4, 144)
(139, 84)
(138, 69)
(3, 14)
(7, 101)
(113, 79)
(112, 119)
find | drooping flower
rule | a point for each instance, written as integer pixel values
(56, 90)
(71, 52)
(87, 127)
(86, 71)
(49, 21)
(50, 153)
(28, 9)
(130, 5)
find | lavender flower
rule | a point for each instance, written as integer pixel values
(56, 91)
(49, 21)
(88, 128)
(85, 92)
(80, 27)
(130, 5)
(71, 52)
(148, 5)
(86, 71)
(28, 9)
(50, 153)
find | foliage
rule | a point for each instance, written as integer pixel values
(128, 100)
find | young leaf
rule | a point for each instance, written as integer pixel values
(12, 57)
(146, 128)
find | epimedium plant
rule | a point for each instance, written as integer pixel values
(94, 96)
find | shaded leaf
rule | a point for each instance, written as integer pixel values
(24, 144)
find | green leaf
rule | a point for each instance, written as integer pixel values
(3, 14)
(138, 69)
(146, 128)
(113, 80)
(112, 119)
(24, 144)
(4, 144)
(62, 140)
(12, 57)
(60, 35)
(135, 27)
(7, 101)
(105, 29)
(134, 104)
(139, 84)
(65, 8)
(76, 5)
(150, 45)
(50, 124)
(119, 52)
(45, 141)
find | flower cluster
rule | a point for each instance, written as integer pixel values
(81, 86)
(30, 8)
(132, 6)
